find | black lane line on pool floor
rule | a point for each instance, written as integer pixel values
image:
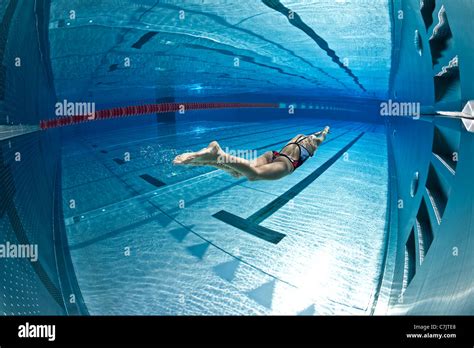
(251, 224)
(220, 139)
(77, 219)
(297, 22)
(152, 180)
(117, 147)
(196, 200)
(153, 217)
(158, 183)
(119, 161)
(239, 28)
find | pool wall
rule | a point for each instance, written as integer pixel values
(429, 267)
(432, 229)
(30, 184)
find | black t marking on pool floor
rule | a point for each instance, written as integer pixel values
(251, 224)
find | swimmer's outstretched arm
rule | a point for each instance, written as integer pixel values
(325, 131)
(321, 135)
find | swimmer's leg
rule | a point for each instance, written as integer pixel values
(213, 155)
(220, 166)
(269, 171)
(208, 154)
(266, 158)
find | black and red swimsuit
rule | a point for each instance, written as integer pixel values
(304, 153)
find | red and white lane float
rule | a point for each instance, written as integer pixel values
(137, 110)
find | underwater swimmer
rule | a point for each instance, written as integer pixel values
(272, 165)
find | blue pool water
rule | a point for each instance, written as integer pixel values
(378, 222)
(142, 233)
(142, 249)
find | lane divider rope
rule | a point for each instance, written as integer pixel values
(138, 110)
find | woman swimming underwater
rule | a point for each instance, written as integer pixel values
(272, 165)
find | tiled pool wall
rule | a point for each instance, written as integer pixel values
(433, 271)
(30, 205)
(429, 255)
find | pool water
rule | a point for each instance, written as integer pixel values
(144, 240)
(147, 237)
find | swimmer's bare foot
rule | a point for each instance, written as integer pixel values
(208, 154)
